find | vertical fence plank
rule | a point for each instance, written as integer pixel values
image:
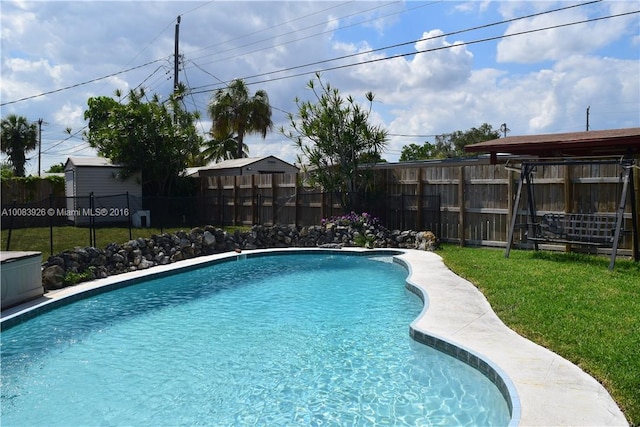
(461, 205)
(568, 195)
(420, 201)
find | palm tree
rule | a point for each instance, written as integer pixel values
(18, 137)
(233, 111)
(222, 149)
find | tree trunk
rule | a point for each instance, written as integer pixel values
(240, 143)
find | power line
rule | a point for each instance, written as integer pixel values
(71, 135)
(75, 134)
(267, 29)
(404, 135)
(205, 71)
(412, 53)
(413, 41)
(343, 66)
(110, 75)
(258, 75)
(312, 35)
(196, 8)
(83, 83)
(194, 102)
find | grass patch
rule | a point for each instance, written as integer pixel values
(569, 303)
(65, 238)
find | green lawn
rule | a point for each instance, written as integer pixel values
(64, 238)
(569, 303)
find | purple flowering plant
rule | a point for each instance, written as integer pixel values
(353, 220)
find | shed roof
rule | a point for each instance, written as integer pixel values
(90, 161)
(613, 142)
(232, 164)
(239, 163)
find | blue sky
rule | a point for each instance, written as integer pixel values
(539, 82)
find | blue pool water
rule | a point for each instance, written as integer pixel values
(278, 340)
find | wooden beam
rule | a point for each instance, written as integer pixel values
(568, 195)
(510, 200)
(420, 201)
(514, 215)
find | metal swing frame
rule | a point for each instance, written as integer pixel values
(577, 229)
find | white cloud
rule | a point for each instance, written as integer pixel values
(543, 101)
(23, 77)
(557, 43)
(70, 116)
(542, 82)
(438, 65)
(444, 65)
(473, 6)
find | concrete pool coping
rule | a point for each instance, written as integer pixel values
(545, 388)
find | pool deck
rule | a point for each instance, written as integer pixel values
(547, 389)
(552, 391)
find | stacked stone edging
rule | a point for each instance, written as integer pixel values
(90, 263)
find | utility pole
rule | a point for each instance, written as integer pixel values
(504, 129)
(39, 143)
(176, 58)
(589, 107)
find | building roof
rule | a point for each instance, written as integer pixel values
(231, 164)
(90, 161)
(613, 142)
(237, 163)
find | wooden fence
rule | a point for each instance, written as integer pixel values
(29, 191)
(466, 202)
(474, 199)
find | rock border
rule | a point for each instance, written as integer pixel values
(88, 263)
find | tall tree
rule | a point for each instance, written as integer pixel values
(58, 168)
(417, 152)
(18, 137)
(152, 137)
(226, 148)
(234, 112)
(333, 134)
(449, 145)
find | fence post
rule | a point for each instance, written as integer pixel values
(568, 196)
(420, 202)
(635, 209)
(461, 202)
(51, 223)
(93, 233)
(510, 199)
(222, 205)
(402, 209)
(274, 199)
(91, 219)
(330, 204)
(13, 207)
(129, 216)
(235, 200)
(296, 201)
(90, 212)
(220, 202)
(254, 209)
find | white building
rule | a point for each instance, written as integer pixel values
(96, 188)
(245, 166)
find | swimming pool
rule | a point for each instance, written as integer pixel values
(308, 339)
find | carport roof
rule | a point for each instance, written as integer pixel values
(614, 142)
